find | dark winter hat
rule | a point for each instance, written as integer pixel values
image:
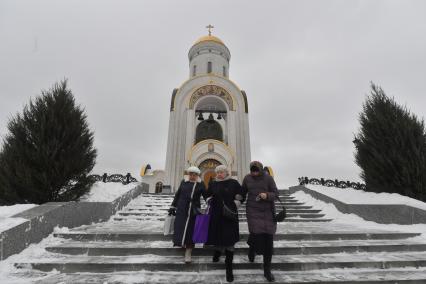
(256, 166)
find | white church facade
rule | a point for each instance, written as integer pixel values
(208, 123)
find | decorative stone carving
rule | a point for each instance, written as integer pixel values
(209, 164)
(211, 147)
(211, 90)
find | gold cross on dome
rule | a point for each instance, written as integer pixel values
(210, 27)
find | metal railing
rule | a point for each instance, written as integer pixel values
(124, 179)
(331, 183)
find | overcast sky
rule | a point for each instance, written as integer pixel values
(306, 67)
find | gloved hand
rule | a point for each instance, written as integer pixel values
(237, 203)
(172, 211)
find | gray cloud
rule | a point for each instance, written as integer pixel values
(305, 65)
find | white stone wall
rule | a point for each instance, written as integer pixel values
(182, 128)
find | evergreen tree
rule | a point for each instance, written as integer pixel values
(48, 152)
(391, 147)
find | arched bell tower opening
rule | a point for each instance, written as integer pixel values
(210, 119)
(208, 129)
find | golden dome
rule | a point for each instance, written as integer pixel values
(209, 38)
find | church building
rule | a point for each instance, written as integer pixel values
(209, 123)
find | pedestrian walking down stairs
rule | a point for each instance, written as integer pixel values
(309, 247)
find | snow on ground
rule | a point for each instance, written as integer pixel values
(340, 222)
(6, 213)
(338, 217)
(11, 275)
(107, 192)
(354, 196)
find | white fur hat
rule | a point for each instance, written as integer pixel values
(193, 169)
(221, 168)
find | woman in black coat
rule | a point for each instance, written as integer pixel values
(186, 205)
(223, 230)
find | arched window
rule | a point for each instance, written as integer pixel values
(194, 70)
(224, 71)
(208, 129)
(209, 67)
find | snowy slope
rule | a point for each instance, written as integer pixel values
(354, 196)
(107, 192)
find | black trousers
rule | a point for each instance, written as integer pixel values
(261, 244)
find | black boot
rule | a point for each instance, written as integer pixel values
(251, 254)
(216, 255)
(267, 268)
(228, 263)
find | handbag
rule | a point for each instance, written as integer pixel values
(201, 228)
(281, 215)
(169, 223)
(228, 213)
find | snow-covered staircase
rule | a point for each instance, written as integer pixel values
(296, 211)
(309, 248)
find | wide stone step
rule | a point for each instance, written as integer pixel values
(167, 205)
(284, 203)
(290, 219)
(280, 248)
(163, 207)
(171, 195)
(150, 197)
(288, 210)
(375, 260)
(138, 236)
(293, 215)
(163, 200)
(170, 198)
(241, 214)
(293, 206)
(335, 276)
(242, 211)
(151, 202)
(158, 195)
(156, 202)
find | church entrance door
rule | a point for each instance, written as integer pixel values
(159, 187)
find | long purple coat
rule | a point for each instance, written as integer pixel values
(260, 213)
